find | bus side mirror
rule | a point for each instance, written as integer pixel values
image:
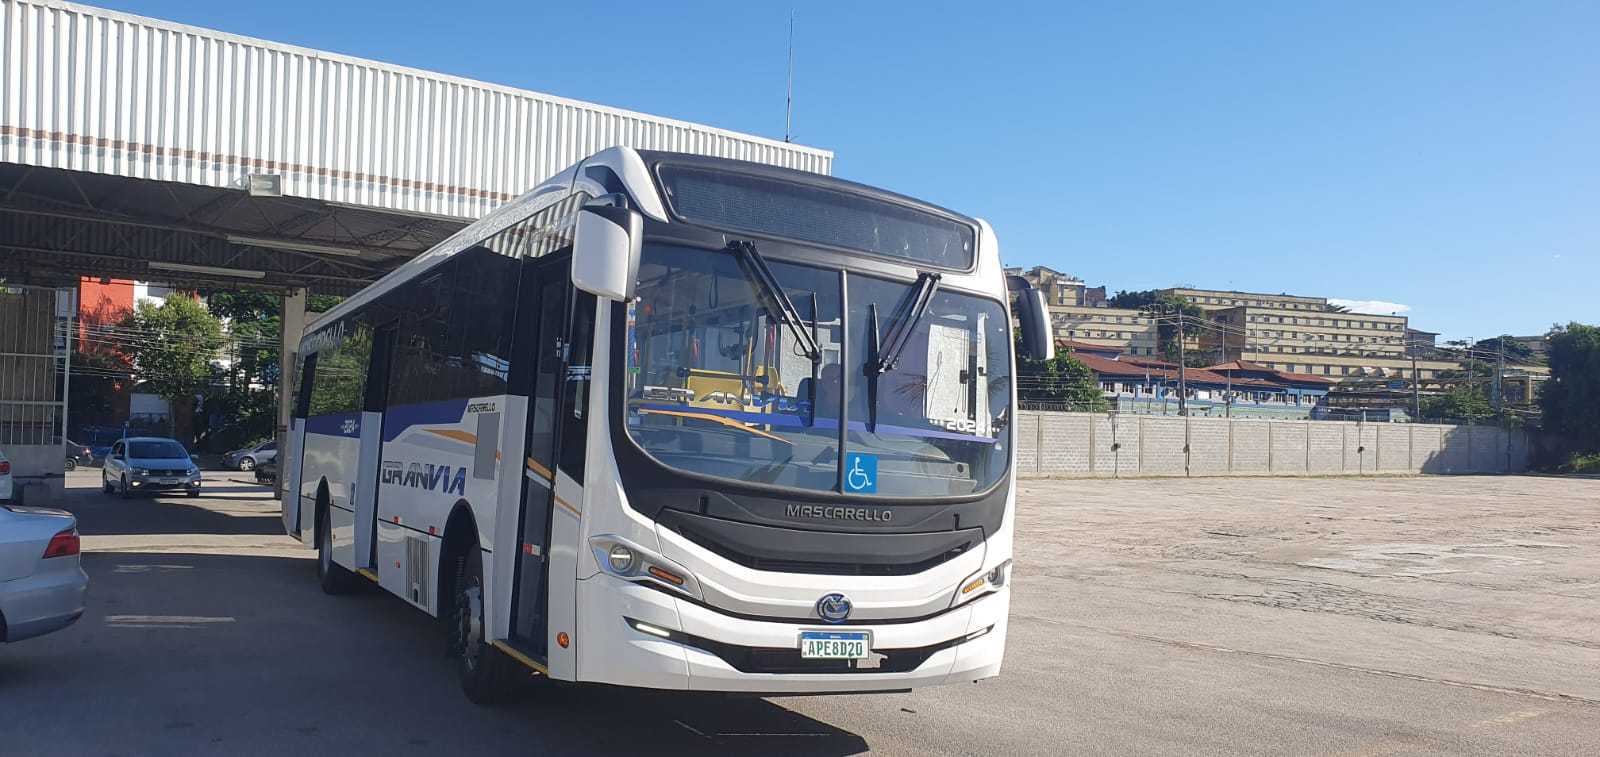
(1033, 320)
(605, 251)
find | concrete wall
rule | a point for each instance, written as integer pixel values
(1098, 444)
(37, 476)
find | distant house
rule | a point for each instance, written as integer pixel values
(1085, 348)
(1137, 383)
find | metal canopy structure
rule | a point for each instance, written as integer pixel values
(135, 148)
(138, 148)
(57, 224)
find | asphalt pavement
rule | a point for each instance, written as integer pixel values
(1224, 616)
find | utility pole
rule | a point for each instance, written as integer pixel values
(1183, 385)
(1160, 313)
(1416, 387)
(1499, 369)
(1227, 410)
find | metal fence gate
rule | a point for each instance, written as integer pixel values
(34, 324)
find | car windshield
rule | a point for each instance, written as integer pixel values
(156, 450)
(716, 385)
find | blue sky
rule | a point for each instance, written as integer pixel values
(1442, 156)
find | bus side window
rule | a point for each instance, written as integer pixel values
(302, 390)
(484, 304)
(422, 370)
(575, 397)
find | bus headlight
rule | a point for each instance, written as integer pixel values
(631, 562)
(621, 560)
(979, 584)
(1001, 573)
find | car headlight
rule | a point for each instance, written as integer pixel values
(141, 471)
(631, 562)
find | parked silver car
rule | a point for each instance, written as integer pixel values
(248, 458)
(147, 464)
(42, 583)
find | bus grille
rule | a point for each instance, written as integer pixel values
(818, 552)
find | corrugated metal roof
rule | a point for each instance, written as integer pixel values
(88, 89)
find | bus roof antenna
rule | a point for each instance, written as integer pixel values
(788, 97)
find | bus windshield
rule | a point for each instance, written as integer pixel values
(715, 384)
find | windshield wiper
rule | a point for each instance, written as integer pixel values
(778, 304)
(901, 328)
(884, 352)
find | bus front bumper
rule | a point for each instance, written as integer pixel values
(639, 636)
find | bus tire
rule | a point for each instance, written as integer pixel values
(331, 576)
(488, 676)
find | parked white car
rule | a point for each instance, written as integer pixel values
(6, 487)
(42, 583)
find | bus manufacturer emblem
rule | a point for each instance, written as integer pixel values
(834, 608)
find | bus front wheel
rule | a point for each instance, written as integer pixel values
(487, 674)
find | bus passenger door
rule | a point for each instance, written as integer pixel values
(539, 356)
(375, 401)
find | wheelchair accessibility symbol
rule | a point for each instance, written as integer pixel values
(860, 472)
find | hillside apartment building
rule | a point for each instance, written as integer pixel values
(1307, 335)
(1294, 334)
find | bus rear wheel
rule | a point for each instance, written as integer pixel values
(332, 576)
(487, 675)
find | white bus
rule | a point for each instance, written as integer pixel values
(677, 422)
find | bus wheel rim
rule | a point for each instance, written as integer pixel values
(325, 555)
(469, 623)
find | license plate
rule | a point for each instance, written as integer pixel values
(835, 645)
(171, 480)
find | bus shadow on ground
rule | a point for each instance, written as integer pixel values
(102, 514)
(662, 722)
(143, 515)
(238, 653)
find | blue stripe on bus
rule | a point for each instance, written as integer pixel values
(795, 421)
(398, 418)
(335, 424)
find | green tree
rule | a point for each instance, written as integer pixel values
(1464, 402)
(243, 405)
(1516, 352)
(173, 347)
(254, 322)
(1571, 398)
(1132, 300)
(1172, 310)
(1061, 380)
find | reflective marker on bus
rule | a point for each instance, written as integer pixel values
(678, 422)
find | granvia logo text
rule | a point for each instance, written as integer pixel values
(443, 478)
